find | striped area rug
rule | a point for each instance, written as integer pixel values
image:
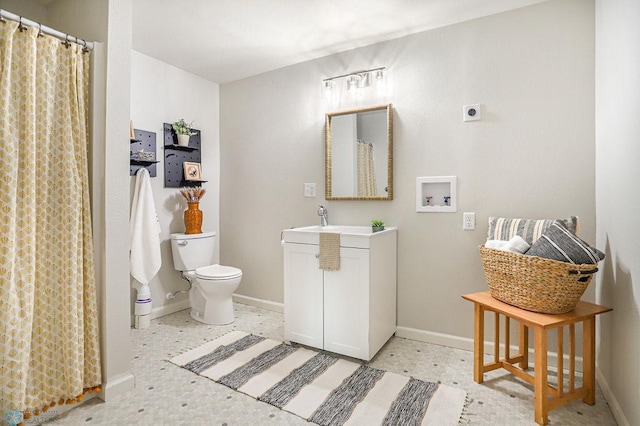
(321, 388)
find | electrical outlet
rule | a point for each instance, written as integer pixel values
(469, 221)
(309, 189)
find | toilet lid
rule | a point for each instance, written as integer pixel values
(218, 272)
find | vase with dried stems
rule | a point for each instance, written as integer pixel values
(193, 214)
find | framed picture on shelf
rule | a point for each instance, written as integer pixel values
(192, 171)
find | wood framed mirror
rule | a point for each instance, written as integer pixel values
(359, 154)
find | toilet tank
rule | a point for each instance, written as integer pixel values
(191, 251)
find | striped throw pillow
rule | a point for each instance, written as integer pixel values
(504, 228)
(558, 243)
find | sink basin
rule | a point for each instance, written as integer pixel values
(350, 236)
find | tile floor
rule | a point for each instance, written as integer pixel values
(168, 395)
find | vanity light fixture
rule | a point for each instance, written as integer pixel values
(355, 80)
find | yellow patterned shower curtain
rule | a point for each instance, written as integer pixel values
(366, 170)
(49, 347)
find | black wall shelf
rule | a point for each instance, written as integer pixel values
(145, 141)
(175, 155)
(182, 148)
(142, 162)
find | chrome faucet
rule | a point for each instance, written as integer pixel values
(322, 212)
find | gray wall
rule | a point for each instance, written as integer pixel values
(618, 203)
(30, 9)
(532, 155)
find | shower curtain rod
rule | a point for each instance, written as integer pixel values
(55, 33)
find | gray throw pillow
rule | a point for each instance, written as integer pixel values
(505, 228)
(558, 243)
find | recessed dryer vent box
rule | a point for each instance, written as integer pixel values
(436, 194)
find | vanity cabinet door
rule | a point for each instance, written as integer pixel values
(346, 305)
(303, 295)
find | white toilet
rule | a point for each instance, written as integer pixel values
(211, 285)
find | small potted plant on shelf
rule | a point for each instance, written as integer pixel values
(183, 131)
(377, 225)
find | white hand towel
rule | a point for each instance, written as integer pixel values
(496, 244)
(144, 230)
(515, 245)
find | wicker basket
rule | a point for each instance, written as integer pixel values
(534, 283)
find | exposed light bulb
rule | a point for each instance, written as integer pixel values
(327, 85)
(363, 80)
(352, 82)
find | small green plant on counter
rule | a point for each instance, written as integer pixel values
(181, 127)
(377, 225)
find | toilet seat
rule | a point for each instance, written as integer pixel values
(218, 272)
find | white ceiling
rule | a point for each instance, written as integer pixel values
(224, 40)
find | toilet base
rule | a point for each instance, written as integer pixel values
(216, 312)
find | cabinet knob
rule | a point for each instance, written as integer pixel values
(318, 256)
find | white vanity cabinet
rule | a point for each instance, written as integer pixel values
(351, 311)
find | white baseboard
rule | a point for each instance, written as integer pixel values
(435, 338)
(170, 308)
(611, 399)
(161, 311)
(116, 387)
(260, 303)
(467, 345)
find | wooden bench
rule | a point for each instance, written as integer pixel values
(547, 397)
